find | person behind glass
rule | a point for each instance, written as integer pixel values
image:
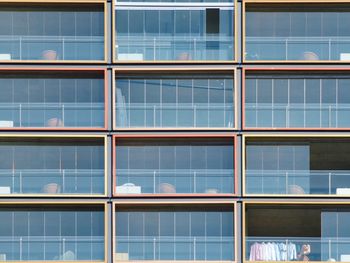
(184, 56)
(304, 252)
(55, 122)
(49, 55)
(309, 55)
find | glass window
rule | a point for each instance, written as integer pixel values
(180, 31)
(297, 100)
(51, 233)
(301, 31)
(170, 166)
(316, 232)
(176, 234)
(186, 101)
(297, 166)
(51, 166)
(52, 99)
(51, 32)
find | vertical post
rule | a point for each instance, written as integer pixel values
(154, 182)
(20, 48)
(194, 182)
(13, 181)
(194, 115)
(63, 49)
(20, 115)
(63, 115)
(154, 248)
(20, 182)
(154, 48)
(194, 248)
(154, 115)
(20, 248)
(63, 181)
(195, 49)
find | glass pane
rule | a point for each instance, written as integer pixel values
(307, 32)
(52, 32)
(185, 101)
(183, 235)
(52, 99)
(296, 166)
(179, 166)
(51, 166)
(51, 234)
(297, 100)
(185, 33)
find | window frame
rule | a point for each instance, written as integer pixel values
(283, 70)
(171, 203)
(102, 72)
(61, 136)
(278, 203)
(262, 137)
(64, 3)
(233, 137)
(235, 39)
(56, 204)
(284, 2)
(171, 70)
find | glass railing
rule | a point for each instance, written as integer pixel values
(174, 115)
(174, 47)
(146, 181)
(296, 182)
(51, 248)
(297, 115)
(219, 248)
(51, 115)
(51, 47)
(297, 48)
(52, 181)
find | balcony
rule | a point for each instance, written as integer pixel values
(175, 166)
(297, 166)
(52, 32)
(299, 32)
(52, 166)
(174, 31)
(205, 234)
(49, 232)
(175, 101)
(287, 231)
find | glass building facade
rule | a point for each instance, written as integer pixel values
(174, 131)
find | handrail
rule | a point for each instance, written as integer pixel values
(181, 172)
(290, 175)
(301, 106)
(175, 239)
(47, 105)
(178, 106)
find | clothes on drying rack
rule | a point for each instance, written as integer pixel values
(272, 251)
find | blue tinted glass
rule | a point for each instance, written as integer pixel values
(175, 235)
(52, 32)
(51, 235)
(304, 32)
(179, 33)
(175, 101)
(174, 167)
